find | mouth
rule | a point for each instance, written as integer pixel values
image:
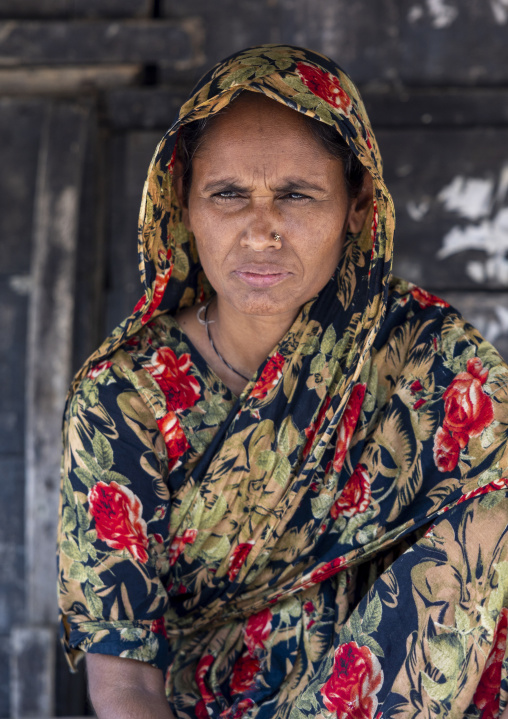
(262, 275)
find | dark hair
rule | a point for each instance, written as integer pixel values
(192, 134)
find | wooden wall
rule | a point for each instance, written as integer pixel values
(87, 87)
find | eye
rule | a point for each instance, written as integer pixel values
(295, 197)
(226, 195)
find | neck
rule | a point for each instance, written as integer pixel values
(246, 340)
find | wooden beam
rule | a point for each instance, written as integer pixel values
(66, 80)
(48, 371)
(75, 8)
(100, 41)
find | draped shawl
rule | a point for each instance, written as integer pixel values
(312, 547)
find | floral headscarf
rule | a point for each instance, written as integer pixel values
(253, 547)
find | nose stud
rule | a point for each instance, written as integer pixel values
(277, 237)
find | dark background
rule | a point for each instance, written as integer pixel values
(87, 88)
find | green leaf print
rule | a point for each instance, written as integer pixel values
(111, 476)
(321, 506)
(70, 549)
(372, 616)
(282, 471)
(102, 450)
(68, 520)
(318, 364)
(85, 476)
(329, 340)
(94, 602)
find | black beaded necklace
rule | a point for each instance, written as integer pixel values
(206, 323)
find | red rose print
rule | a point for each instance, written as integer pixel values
(238, 557)
(327, 570)
(257, 630)
(158, 626)
(204, 665)
(348, 424)
(419, 403)
(324, 85)
(117, 513)
(98, 369)
(244, 671)
(238, 710)
(179, 542)
(269, 376)
(487, 693)
(311, 431)
(355, 497)
(356, 679)
(170, 373)
(308, 607)
(160, 284)
(416, 386)
(174, 438)
(200, 710)
(446, 451)
(501, 483)
(425, 299)
(468, 410)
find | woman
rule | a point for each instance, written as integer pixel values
(285, 474)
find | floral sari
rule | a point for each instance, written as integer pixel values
(332, 542)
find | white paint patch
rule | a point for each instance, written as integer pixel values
(469, 198)
(480, 200)
(500, 11)
(415, 13)
(417, 210)
(442, 14)
(489, 236)
(20, 284)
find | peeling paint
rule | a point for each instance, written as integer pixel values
(469, 198)
(479, 200)
(500, 11)
(20, 284)
(415, 13)
(442, 14)
(417, 210)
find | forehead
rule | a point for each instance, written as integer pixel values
(257, 128)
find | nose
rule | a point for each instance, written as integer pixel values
(262, 229)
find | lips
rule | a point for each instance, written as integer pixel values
(265, 275)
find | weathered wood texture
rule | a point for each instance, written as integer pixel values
(451, 197)
(66, 80)
(443, 43)
(100, 41)
(75, 8)
(32, 655)
(51, 312)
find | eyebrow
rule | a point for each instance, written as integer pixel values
(291, 184)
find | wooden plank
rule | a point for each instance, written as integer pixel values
(50, 338)
(20, 130)
(441, 43)
(132, 154)
(434, 107)
(488, 312)
(89, 327)
(12, 500)
(450, 190)
(143, 107)
(31, 672)
(99, 41)
(75, 8)
(155, 107)
(66, 80)
(13, 322)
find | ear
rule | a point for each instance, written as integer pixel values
(360, 205)
(178, 185)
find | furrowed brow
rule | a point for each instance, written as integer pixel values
(225, 183)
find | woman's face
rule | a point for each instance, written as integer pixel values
(259, 171)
